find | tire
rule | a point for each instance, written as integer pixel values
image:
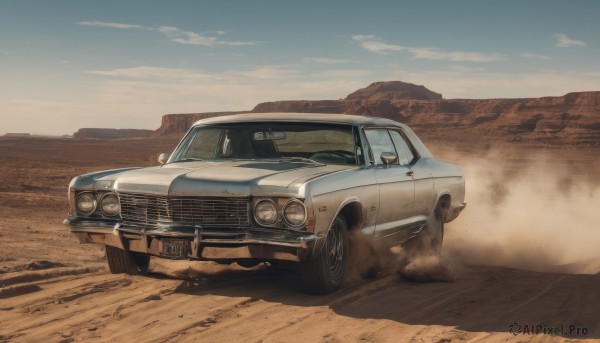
(121, 261)
(325, 273)
(429, 240)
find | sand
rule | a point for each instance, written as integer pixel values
(54, 290)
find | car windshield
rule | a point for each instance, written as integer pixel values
(290, 141)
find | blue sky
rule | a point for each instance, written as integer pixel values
(123, 64)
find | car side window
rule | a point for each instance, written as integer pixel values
(405, 154)
(380, 141)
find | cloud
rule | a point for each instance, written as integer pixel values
(266, 72)
(455, 56)
(325, 60)
(346, 73)
(466, 69)
(374, 44)
(182, 74)
(186, 37)
(175, 34)
(534, 56)
(97, 23)
(192, 38)
(563, 41)
(148, 72)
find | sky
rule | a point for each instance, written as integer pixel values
(65, 65)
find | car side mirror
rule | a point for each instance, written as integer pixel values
(388, 157)
(163, 158)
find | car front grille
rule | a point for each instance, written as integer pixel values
(151, 210)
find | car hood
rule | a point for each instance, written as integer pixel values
(230, 178)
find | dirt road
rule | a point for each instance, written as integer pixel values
(66, 294)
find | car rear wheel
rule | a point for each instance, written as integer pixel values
(429, 240)
(326, 272)
(121, 261)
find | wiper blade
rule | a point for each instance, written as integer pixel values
(189, 159)
(299, 159)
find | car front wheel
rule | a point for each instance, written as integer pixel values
(326, 272)
(121, 261)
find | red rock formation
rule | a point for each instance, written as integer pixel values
(176, 124)
(572, 119)
(393, 90)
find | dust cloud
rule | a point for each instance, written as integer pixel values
(370, 261)
(540, 214)
(365, 259)
(426, 268)
(536, 213)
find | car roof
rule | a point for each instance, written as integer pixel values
(300, 117)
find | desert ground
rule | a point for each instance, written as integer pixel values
(525, 251)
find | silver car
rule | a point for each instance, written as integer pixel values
(272, 187)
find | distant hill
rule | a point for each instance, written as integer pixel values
(393, 90)
(110, 133)
(16, 135)
(29, 135)
(572, 119)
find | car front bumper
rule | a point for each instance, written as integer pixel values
(199, 243)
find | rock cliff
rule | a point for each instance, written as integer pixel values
(572, 119)
(176, 124)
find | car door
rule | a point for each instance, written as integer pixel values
(421, 175)
(396, 189)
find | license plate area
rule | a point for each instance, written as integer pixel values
(174, 248)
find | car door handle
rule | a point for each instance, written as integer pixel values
(410, 173)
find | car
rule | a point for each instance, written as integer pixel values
(271, 188)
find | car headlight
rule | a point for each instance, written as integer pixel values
(265, 212)
(294, 213)
(110, 204)
(85, 203)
